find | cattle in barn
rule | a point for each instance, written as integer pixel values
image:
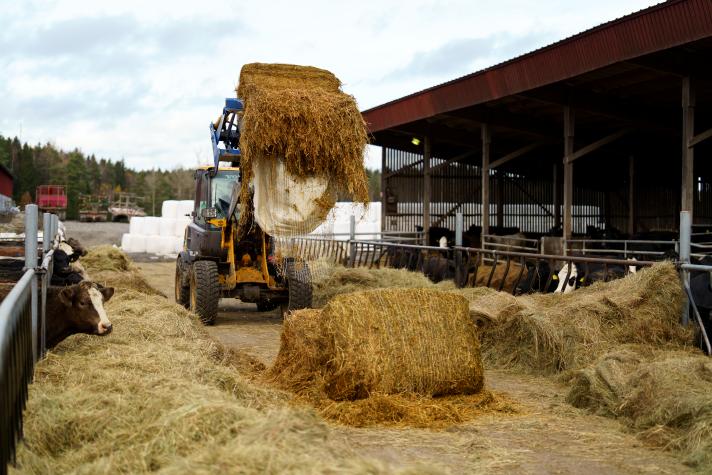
(642, 247)
(572, 276)
(515, 240)
(438, 268)
(74, 309)
(502, 278)
(539, 279)
(435, 233)
(63, 271)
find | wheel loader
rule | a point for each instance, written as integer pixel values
(215, 261)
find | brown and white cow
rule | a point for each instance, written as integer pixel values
(77, 308)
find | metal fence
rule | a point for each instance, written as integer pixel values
(22, 330)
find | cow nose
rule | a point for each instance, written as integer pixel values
(105, 327)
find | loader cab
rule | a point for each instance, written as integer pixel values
(214, 193)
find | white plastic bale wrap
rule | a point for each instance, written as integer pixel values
(167, 226)
(181, 224)
(285, 205)
(136, 225)
(133, 243)
(184, 208)
(151, 226)
(169, 209)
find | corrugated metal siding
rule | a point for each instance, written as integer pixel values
(655, 29)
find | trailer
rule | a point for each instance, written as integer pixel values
(125, 206)
(93, 208)
(52, 199)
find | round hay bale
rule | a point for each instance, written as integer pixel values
(387, 341)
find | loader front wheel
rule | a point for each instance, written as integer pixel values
(205, 291)
(299, 285)
(182, 292)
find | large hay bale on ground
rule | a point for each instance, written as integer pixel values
(300, 114)
(393, 341)
(555, 332)
(666, 395)
(111, 267)
(337, 280)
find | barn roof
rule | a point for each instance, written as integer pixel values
(665, 41)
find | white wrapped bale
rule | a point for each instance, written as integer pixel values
(169, 209)
(136, 225)
(154, 244)
(134, 243)
(167, 226)
(185, 207)
(181, 224)
(178, 244)
(152, 226)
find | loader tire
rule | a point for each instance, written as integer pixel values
(299, 285)
(205, 291)
(182, 292)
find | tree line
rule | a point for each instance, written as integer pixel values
(45, 164)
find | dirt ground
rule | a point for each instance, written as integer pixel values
(96, 234)
(549, 436)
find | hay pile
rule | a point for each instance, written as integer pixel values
(380, 356)
(333, 280)
(664, 395)
(159, 395)
(300, 113)
(110, 267)
(549, 333)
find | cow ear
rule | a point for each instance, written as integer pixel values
(66, 296)
(107, 292)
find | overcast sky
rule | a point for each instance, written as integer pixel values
(141, 80)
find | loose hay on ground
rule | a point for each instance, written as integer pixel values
(549, 333)
(158, 395)
(110, 267)
(665, 395)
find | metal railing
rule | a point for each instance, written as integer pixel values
(626, 248)
(22, 331)
(510, 243)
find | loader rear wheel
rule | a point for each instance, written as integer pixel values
(182, 292)
(205, 291)
(299, 285)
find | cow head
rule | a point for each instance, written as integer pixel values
(567, 278)
(84, 307)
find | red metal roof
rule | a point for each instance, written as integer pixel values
(659, 27)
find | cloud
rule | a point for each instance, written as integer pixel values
(460, 55)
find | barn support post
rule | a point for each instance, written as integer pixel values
(486, 142)
(568, 170)
(685, 238)
(631, 195)
(688, 151)
(31, 263)
(557, 196)
(383, 189)
(500, 198)
(426, 186)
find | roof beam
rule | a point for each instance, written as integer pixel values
(516, 154)
(607, 106)
(597, 144)
(702, 136)
(533, 126)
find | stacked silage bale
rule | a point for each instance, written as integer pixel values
(159, 235)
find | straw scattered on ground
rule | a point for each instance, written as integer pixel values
(110, 267)
(664, 395)
(159, 395)
(550, 333)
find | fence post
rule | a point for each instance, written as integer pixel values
(47, 238)
(685, 229)
(352, 238)
(31, 263)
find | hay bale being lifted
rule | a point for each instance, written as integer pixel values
(298, 125)
(415, 341)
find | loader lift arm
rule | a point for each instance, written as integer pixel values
(227, 130)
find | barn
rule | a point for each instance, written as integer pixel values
(6, 181)
(607, 129)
